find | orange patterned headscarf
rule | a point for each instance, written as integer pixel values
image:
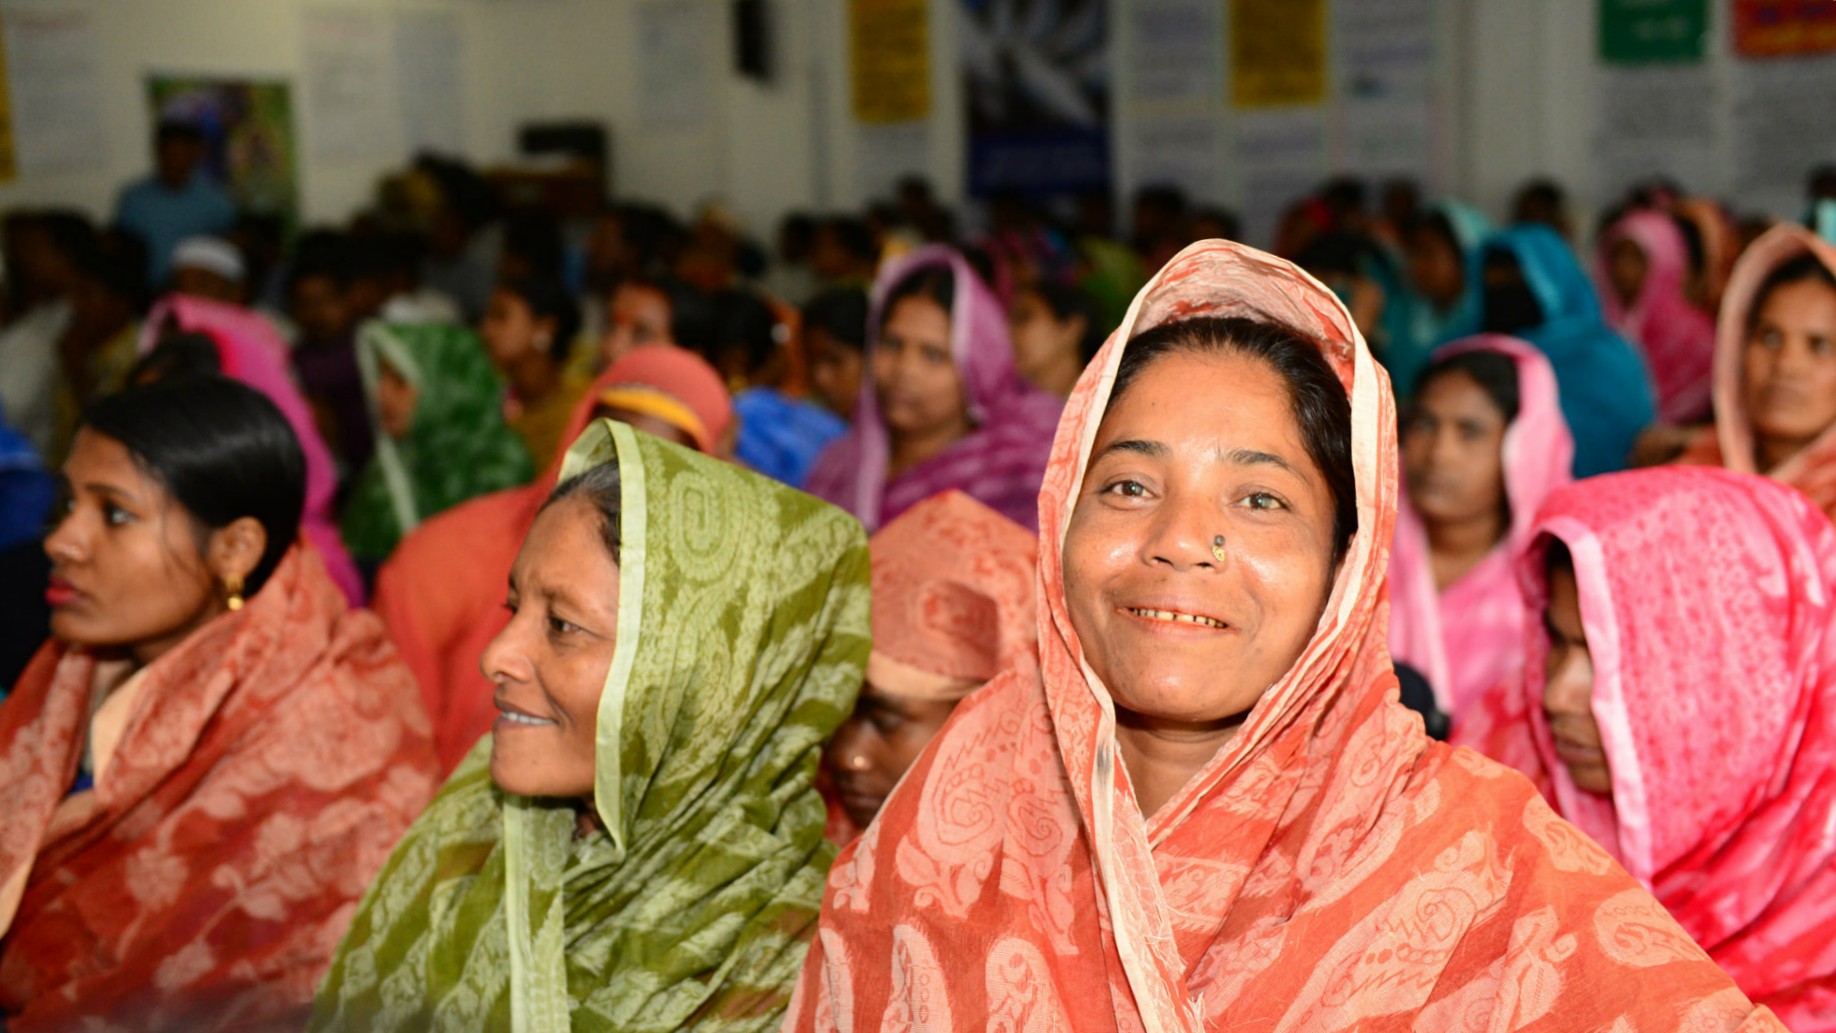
(1330, 868)
(952, 598)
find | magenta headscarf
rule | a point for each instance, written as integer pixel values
(1678, 338)
(1469, 639)
(252, 352)
(1706, 598)
(1000, 463)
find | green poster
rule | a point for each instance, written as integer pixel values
(1635, 32)
(248, 133)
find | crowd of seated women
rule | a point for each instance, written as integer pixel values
(919, 659)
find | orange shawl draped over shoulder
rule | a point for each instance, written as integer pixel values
(1813, 469)
(1331, 868)
(268, 765)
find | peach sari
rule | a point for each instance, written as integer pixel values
(1330, 868)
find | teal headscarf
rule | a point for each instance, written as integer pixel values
(742, 634)
(457, 447)
(1607, 397)
(1413, 326)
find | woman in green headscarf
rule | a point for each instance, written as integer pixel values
(638, 844)
(437, 406)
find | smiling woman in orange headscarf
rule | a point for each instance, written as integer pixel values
(1207, 808)
(442, 614)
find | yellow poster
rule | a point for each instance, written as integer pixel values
(1277, 52)
(9, 169)
(890, 41)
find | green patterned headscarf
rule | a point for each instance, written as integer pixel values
(742, 633)
(457, 447)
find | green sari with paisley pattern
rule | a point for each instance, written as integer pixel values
(742, 632)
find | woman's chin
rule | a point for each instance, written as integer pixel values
(519, 774)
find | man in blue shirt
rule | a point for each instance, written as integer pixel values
(176, 202)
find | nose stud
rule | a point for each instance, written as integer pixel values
(1217, 548)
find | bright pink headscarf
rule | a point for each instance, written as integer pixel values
(1706, 599)
(1000, 463)
(251, 351)
(1470, 638)
(1678, 338)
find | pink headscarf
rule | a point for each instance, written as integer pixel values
(252, 352)
(1470, 638)
(1000, 463)
(1678, 338)
(1706, 599)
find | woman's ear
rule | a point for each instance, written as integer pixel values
(233, 551)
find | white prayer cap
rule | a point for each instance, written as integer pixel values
(212, 255)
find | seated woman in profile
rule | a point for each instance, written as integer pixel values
(443, 614)
(1775, 366)
(213, 755)
(1677, 707)
(1483, 443)
(639, 844)
(941, 405)
(952, 608)
(1207, 810)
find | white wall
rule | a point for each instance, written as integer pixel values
(1518, 81)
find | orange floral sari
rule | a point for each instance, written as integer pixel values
(264, 770)
(1331, 868)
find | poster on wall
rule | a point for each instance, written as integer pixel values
(890, 60)
(1383, 52)
(1655, 120)
(1176, 62)
(250, 145)
(1636, 32)
(1773, 103)
(1781, 28)
(1036, 82)
(1277, 53)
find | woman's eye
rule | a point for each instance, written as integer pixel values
(1262, 500)
(1768, 339)
(116, 516)
(1131, 489)
(885, 722)
(1822, 346)
(560, 627)
(937, 356)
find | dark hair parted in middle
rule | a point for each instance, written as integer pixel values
(934, 283)
(1319, 402)
(1494, 372)
(600, 487)
(221, 449)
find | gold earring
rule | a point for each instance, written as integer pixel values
(233, 586)
(1217, 547)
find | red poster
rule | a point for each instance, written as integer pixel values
(1776, 28)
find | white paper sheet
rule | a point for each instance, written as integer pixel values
(884, 153)
(428, 52)
(1279, 158)
(350, 97)
(677, 47)
(53, 82)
